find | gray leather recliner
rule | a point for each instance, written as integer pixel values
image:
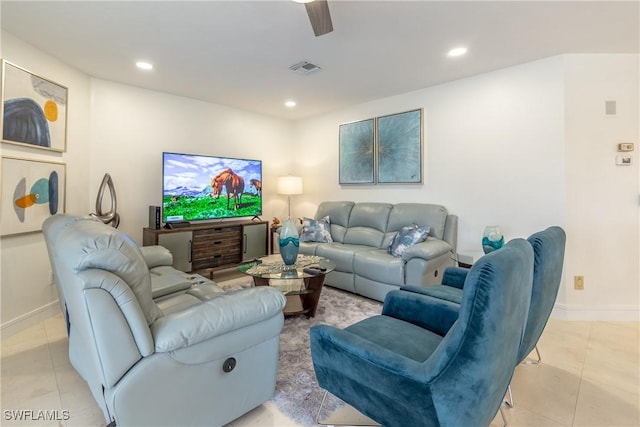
(201, 357)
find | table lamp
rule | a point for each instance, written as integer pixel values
(290, 186)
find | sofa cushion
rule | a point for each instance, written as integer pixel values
(339, 213)
(166, 284)
(380, 266)
(341, 254)
(421, 214)
(316, 230)
(367, 224)
(309, 248)
(398, 336)
(156, 256)
(175, 303)
(407, 237)
(443, 292)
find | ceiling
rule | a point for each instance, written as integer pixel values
(238, 53)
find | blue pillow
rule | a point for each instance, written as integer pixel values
(316, 230)
(407, 237)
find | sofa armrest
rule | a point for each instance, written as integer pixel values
(156, 255)
(429, 249)
(455, 277)
(215, 317)
(421, 310)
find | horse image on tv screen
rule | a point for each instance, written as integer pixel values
(197, 187)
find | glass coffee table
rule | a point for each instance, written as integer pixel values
(301, 283)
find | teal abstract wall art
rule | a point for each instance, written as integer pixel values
(31, 192)
(399, 148)
(383, 150)
(357, 152)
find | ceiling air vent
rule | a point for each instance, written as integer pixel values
(304, 67)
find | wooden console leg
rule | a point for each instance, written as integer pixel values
(260, 281)
(310, 301)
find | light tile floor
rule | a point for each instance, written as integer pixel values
(589, 376)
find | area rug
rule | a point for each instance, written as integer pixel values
(297, 392)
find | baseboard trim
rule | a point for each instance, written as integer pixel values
(615, 313)
(29, 319)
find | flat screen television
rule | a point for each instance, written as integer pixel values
(198, 187)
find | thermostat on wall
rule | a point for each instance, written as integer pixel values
(625, 146)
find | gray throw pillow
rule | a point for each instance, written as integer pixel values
(407, 237)
(316, 230)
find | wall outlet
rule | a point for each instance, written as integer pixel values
(51, 278)
(578, 283)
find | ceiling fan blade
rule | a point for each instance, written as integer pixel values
(318, 11)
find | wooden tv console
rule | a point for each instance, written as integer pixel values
(206, 247)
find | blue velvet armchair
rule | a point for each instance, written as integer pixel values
(423, 363)
(548, 249)
(548, 254)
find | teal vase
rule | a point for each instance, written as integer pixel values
(289, 242)
(492, 239)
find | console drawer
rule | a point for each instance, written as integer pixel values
(216, 247)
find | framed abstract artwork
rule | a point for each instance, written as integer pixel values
(399, 148)
(34, 110)
(356, 157)
(31, 191)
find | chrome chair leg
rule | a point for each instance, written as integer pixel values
(334, 424)
(509, 400)
(320, 409)
(534, 362)
(504, 419)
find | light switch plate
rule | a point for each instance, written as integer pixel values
(625, 146)
(623, 160)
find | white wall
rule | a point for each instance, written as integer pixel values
(524, 148)
(123, 130)
(601, 198)
(25, 286)
(493, 151)
(131, 127)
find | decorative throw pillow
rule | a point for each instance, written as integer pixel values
(407, 237)
(316, 230)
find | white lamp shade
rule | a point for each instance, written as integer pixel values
(289, 185)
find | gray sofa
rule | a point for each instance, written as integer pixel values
(192, 356)
(361, 234)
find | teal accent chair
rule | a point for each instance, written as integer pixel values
(548, 254)
(548, 249)
(429, 362)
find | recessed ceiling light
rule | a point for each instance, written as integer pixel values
(290, 103)
(303, 1)
(144, 65)
(457, 51)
